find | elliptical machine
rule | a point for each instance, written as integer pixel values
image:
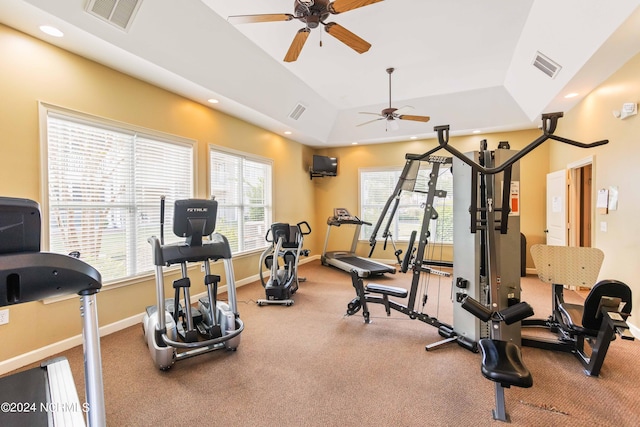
(286, 247)
(214, 324)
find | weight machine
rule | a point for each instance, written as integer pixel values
(489, 199)
(417, 296)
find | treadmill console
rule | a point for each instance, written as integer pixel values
(342, 216)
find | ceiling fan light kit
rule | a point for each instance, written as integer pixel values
(390, 115)
(313, 13)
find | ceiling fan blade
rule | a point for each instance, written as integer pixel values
(402, 109)
(415, 118)
(340, 6)
(375, 114)
(370, 121)
(347, 37)
(297, 45)
(268, 17)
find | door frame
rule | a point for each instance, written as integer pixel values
(575, 222)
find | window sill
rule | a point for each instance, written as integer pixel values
(145, 277)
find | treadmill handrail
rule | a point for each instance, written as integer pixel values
(34, 276)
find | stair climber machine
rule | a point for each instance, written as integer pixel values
(174, 329)
(286, 247)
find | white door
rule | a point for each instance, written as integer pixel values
(557, 208)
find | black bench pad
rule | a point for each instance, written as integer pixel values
(502, 363)
(386, 290)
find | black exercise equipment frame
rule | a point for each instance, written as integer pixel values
(363, 294)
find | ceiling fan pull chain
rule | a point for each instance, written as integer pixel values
(320, 38)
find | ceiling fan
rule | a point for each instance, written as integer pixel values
(313, 13)
(392, 114)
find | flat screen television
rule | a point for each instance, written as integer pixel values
(324, 165)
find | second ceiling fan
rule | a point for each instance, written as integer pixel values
(390, 115)
(313, 13)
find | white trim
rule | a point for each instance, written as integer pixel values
(580, 163)
(60, 346)
(573, 203)
(269, 187)
(43, 353)
(238, 153)
(46, 110)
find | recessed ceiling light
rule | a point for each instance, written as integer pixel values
(212, 101)
(571, 95)
(287, 132)
(354, 143)
(414, 137)
(477, 131)
(52, 31)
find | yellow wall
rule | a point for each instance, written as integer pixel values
(615, 164)
(342, 191)
(33, 71)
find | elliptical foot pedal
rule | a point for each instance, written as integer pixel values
(209, 332)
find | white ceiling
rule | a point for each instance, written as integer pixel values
(464, 63)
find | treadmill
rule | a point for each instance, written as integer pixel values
(348, 260)
(46, 395)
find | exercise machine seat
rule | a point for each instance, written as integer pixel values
(586, 319)
(386, 290)
(502, 363)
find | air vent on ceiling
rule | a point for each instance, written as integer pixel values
(116, 12)
(297, 111)
(546, 65)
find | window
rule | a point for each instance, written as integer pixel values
(242, 186)
(104, 184)
(377, 185)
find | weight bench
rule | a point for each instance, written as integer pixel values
(501, 360)
(363, 295)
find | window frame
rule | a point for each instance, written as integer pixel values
(396, 237)
(44, 111)
(270, 190)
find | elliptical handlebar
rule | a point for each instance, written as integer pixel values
(307, 226)
(156, 250)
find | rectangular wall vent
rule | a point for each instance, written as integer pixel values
(116, 12)
(297, 111)
(546, 65)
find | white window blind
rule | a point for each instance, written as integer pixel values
(104, 189)
(242, 186)
(377, 185)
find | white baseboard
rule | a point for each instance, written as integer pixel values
(66, 344)
(634, 330)
(60, 346)
(43, 353)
